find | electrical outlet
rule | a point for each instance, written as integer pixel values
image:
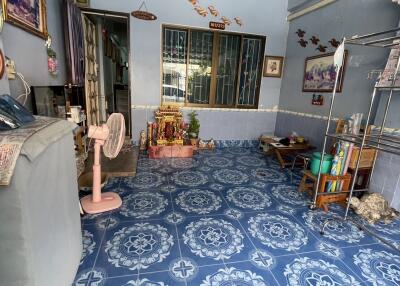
(10, 66)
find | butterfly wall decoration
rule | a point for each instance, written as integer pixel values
(335, 43)
(300, 33)
(314, 40)
(321, 48)
(303, 43)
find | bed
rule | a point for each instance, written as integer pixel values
(40, 229)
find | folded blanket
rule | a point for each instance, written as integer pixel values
(11, 142)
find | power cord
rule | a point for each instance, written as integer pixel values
(26, 87)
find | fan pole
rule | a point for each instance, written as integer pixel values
(97, 172)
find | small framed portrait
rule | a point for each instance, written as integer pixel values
(2, 64)
(28, 15)
(273, 66)
(83, 3)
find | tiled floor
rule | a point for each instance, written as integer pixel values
(229, 217)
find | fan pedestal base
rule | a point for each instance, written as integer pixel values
(109, 201)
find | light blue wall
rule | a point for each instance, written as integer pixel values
(296, 5)
(29, 52)
(268, 18)
(386, 179)
(4, 85)
(342, 18)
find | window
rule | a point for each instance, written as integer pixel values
(174, 65)
(200, 66)
(211, 69)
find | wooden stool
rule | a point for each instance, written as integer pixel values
(325, 199)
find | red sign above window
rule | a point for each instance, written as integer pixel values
(217, 26)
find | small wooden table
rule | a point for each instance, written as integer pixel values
(281, 150)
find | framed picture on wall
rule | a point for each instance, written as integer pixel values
(273, 66)
(83, 3)
(2, 64)
(28, 15)
(320, 74)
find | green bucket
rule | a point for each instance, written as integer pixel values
(326, 164)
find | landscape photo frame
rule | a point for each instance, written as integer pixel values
(320, 73)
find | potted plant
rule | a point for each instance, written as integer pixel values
(194, 128)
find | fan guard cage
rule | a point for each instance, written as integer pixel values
(115, 140)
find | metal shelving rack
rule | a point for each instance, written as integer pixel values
(379, 141)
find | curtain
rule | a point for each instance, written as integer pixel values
(74, 42)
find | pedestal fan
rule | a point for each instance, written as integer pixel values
(111, 137)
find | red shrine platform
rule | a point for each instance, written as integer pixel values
(166, 135)
(175, 151)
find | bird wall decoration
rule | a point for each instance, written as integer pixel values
(226, 20)
(213, 11)
(238, 21)
(201, 11)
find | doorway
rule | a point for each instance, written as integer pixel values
(107, 53)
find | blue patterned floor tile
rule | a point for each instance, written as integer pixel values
(144, 180)
(230, 177)
(390, 230)
(189, 178)
(134, 247)
(343, 233)
(375, 264)
(159, 279)
(88, 219)
(314, 242)
(131, 280)
(254, 271)
(316, 269)
(161, 262)
(278, 264)
(198, 202)
(199, 255)
(270, 175)
(228, 216)
(217, 162)
(202, 272)
(277, 233)
(144, 205)
(243, 274)
(248, 198)
(287, 194)
(90, 277)
(237, 150)
(184, 163)
(252, 160)
(92, 237)
(151, 164)
(184, 221)
(214, 240)
(325, 247)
